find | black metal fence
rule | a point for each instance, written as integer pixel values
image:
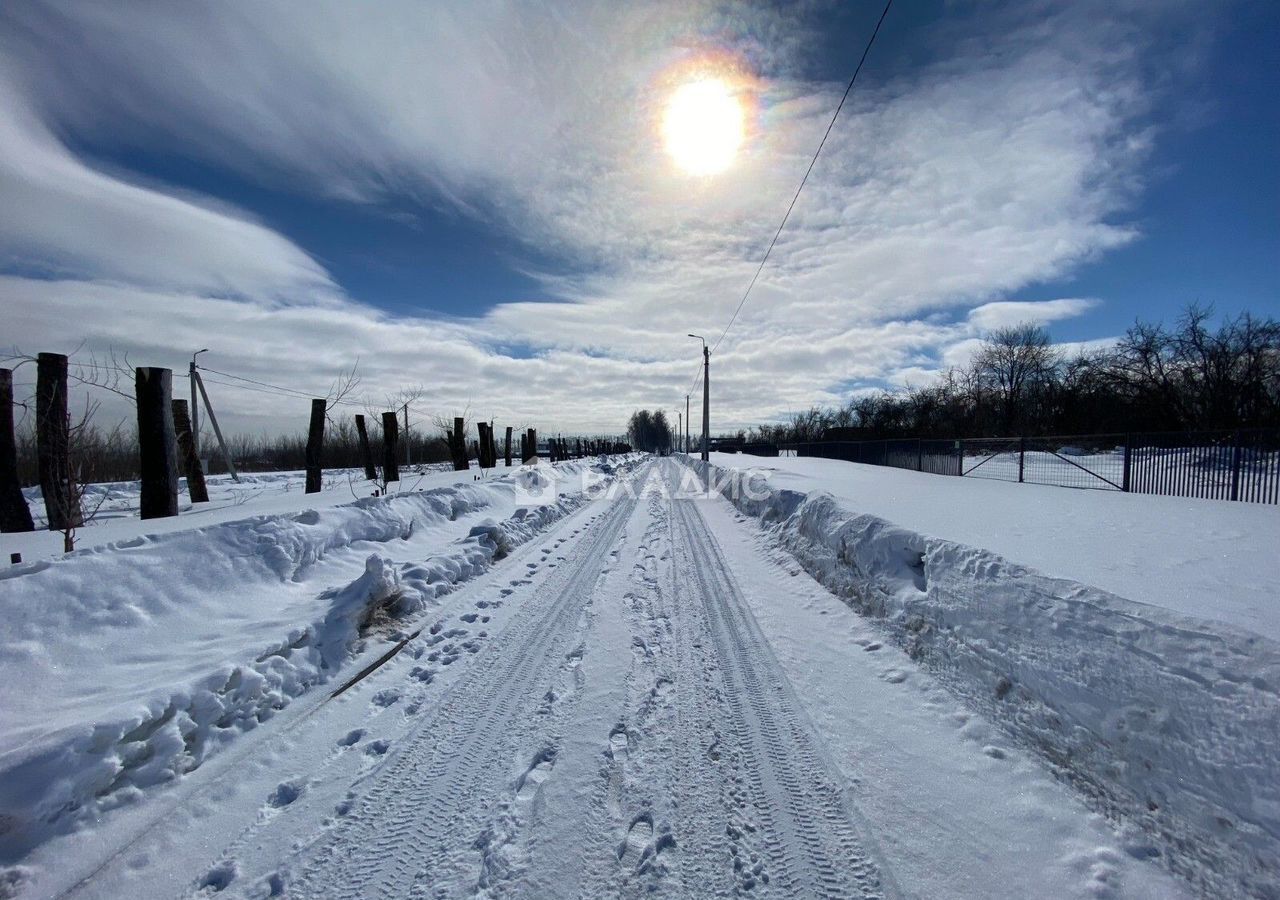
(1231, 465)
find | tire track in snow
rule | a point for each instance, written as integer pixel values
(417, 831)
(812, 845)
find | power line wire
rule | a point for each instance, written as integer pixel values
(803, 181)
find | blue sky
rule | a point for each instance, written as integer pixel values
(472, 198)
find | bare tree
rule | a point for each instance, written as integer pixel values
(1012, 362)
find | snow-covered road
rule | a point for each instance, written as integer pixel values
(647, 699)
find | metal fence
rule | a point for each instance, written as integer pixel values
(1224, 465)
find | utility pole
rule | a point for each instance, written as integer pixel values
(686, 423)
(213, 420)
(195, 409)
(408, 442)
(706, 396)
(679, 426)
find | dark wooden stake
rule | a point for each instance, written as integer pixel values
(53, 442)
(187, 453)
(390, 437)
(315, 448)
(458, 445)
(157, 446)
(507, 452)
(366, 453)
(15, 515)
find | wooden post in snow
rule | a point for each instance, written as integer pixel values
(533, 446)
(187, 457)
(458, 444)
(15, 515)
(53, 442)
(508, 447)
(482, 444)
(157, 446)
(390, 436)
(315, 447)
(366, 454)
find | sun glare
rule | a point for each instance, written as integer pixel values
(703, 126)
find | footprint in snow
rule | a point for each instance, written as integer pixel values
(469, 617)
(285, 793)
(377, 748)
(351, 738)
(220, 876)
(637, 840)
(385, 698)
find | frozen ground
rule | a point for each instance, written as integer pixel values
(527, 688)
(1209, 558)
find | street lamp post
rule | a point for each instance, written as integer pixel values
(706, 397)
(195, 410)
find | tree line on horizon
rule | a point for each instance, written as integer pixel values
(1188, 377)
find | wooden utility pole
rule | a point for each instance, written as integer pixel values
(507, 453)
(53, 443)
(15, 515)
(315, 447)
(390, 433)
(366, 454)
(213, 420)
(157, 447)
(408, 439)
(187, 456)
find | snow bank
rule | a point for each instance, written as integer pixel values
(128, 665)
(1164, 720)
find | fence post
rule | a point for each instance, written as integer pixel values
(366, 454)
(53, 442)
(919, 455)
(187, 455)
(960, 458)
(15, 515)
(315, 447)
(483, 445)
(390, 436)
(508, 447)
(458, 443)
(1128, 462)
(1022, 457)
(1236, 454)
(157, 447)
(533, 445)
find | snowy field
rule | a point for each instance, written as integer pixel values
(601, 679)
(1209, 558)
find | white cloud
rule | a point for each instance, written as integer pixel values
(63, 216)
(943, 191)
(1003, 313)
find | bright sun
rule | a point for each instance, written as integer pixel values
(703, 126)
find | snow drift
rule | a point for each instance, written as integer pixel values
(1162, 720)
